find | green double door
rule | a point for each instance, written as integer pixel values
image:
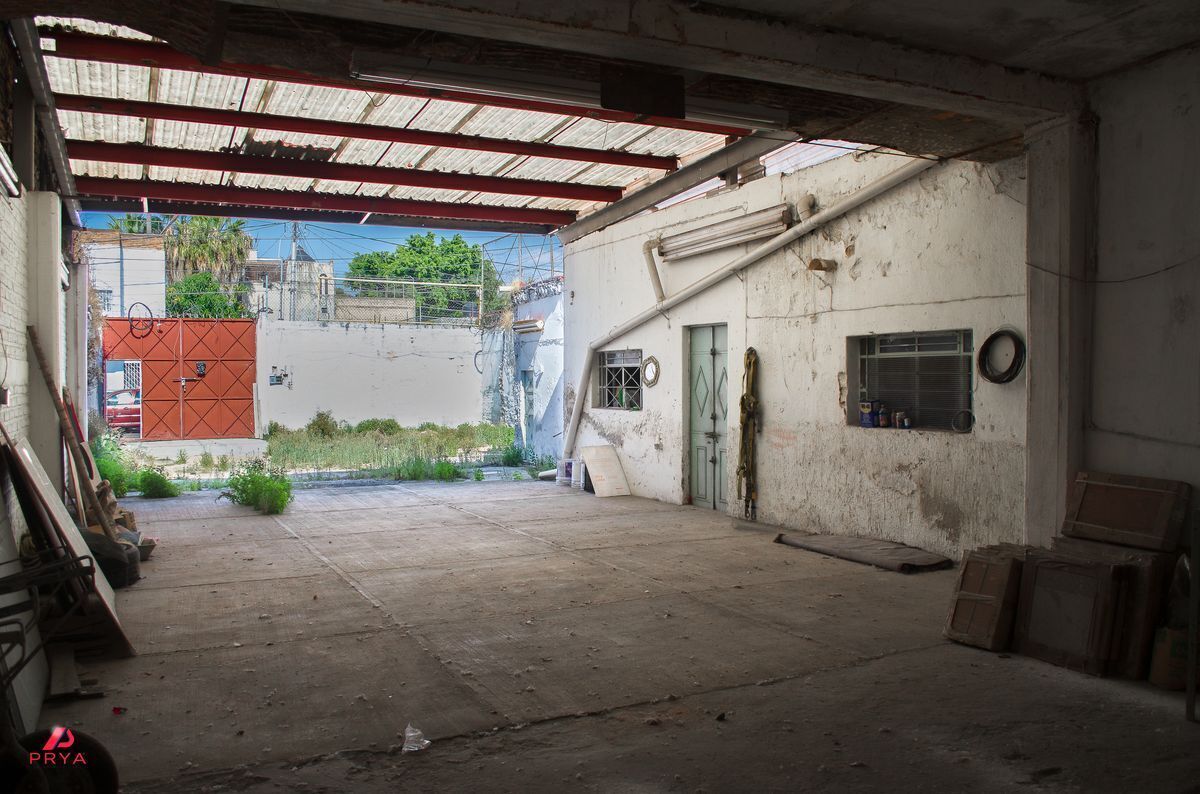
(709, 414)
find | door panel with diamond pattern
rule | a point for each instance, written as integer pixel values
(708, 414)
(218, 404)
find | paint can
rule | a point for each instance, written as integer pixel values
(563, 476)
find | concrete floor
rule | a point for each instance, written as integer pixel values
(545, 639)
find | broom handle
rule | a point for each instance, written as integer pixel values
(68, 431)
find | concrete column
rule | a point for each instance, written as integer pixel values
(24, 143)
(1060, 247)
(43, 228)
(76, 340)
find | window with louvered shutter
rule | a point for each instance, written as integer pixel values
(926, 375)
(621, 379)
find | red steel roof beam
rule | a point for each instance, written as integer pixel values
(345, 129)
(134, 52)
(137, 154)
(250, 197)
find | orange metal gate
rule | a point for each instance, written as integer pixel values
(197, 375)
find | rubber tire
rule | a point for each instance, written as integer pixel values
(98, 777)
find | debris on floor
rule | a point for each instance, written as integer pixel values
(869, 551)
(1097, 602)
(414, 740)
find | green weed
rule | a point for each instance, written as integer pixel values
(154, 485)
(261, 487)
(322, 425)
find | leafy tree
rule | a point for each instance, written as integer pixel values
(207, 245)
(425, 257)
(136, 224)
(201, 295)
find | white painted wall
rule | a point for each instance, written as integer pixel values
(944, 251)
(15, 372)
(541, 354)
(412, 374)
(135, 274)
(1144, 410)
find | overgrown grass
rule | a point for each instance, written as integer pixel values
(424, 469)
(382, 444)
(267, 490)
(154, 485)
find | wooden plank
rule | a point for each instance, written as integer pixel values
(1067, 612)
(984, 607)
(1141, 512)
(31, 470)
(604, 467)
(1149, 576)
(64, 678)
(68, 432)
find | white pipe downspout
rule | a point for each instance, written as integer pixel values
(652, 268)
(813, 222)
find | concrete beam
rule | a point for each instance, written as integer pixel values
(1060, 245)
(709, 39)
(25, 34)
(724, 160)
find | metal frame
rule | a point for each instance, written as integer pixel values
(214, 194)
(719, 162)
(136, 154)
(25, 33)
(345, 129)
(132, 52)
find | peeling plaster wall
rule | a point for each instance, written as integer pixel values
(1145, 376)
(412, 374)
(541, 354)
(944, 251)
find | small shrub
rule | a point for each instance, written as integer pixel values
(261, 487)
(429, 426)
(414, 469)
(518, 475)
(479, 475)
(182, 457)
(389, 427)
(154, 485)
(446, 471)
(206, 461)
(513, 456)
(223, 463)
(115, 472)
(322, 424)
(274, 428)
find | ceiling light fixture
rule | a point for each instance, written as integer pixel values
(744, 229)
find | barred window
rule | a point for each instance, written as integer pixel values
(106, 300)
(621, 379)
(927, 375)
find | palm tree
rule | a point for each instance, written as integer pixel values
(136, 224)
(207, 245)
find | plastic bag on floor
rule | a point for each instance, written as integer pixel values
(414, 740)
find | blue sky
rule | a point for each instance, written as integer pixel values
(327, 241)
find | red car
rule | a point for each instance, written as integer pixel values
(124, 409)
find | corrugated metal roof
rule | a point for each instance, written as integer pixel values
(349, 105)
